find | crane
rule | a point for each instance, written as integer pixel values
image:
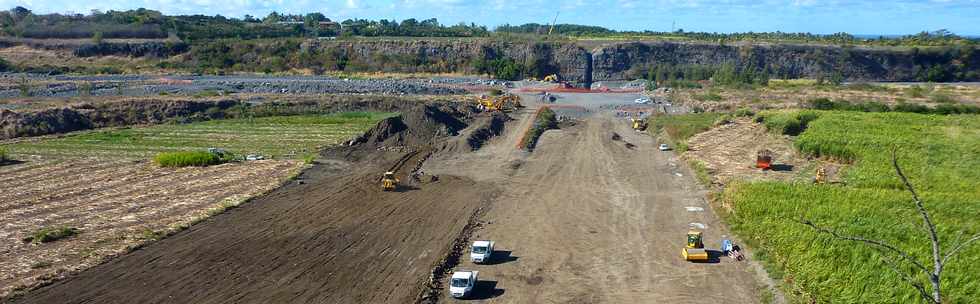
(553, 22)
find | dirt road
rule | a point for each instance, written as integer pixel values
(586, 219)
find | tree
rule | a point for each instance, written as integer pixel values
(97, 38)
(20, 12)
(313, 19)
(939, 260)
(273, 17)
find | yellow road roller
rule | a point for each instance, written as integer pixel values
(694, 251)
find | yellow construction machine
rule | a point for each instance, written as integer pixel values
(389, 182)
(639, 124)
(694, 251)
(551, 78)
(821, 176)
(504, 102)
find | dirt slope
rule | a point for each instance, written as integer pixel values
(333, 240)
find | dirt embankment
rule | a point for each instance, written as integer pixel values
(89, 116)
(331, 237)
(134, 111)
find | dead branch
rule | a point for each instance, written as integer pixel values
(885, 247)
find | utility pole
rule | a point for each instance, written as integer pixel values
(673, 23)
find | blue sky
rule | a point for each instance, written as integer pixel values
(816, 16)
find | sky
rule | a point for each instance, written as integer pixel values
(891, 17)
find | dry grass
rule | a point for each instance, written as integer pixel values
(785, 95)
(118, 205)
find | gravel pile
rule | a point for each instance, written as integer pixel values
(11, 85)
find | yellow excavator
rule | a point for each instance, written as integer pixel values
(505, 102)
(551, 78)
(389, 182)
(695, 247)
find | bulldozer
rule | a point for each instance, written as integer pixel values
(763, 159)
(639, 124)
(694, 251)
(551, 78)
(389, 182)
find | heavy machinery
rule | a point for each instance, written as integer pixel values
(551, 78)
(763, 159)
(639, 124)
(694, 251)
(389, 182)
(504, 102)
(821, 176)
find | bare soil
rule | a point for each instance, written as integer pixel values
(589, 219)
(583, 219)
(115, 205)
(729, 153)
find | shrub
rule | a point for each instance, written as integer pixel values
(916, 91)
(744, 112)
(710, 96)
(4, 157)
(187, 159)
(545, 121)
(788, 122)
(941, 98)
(45, 235)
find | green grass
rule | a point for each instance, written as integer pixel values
(681, 127)
(50, 234)
(4, 156)
(938, 153)
(709, 96)
(701, 172)
(187, 159)
(290, 137)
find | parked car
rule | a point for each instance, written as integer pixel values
(481, 251)
(664, 147)
(462, 283)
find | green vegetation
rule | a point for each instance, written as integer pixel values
(787, 122)
(681, 127)
(50, 234)
(289, 137)
(544, 121)
(945, 108)
(4, 156)
(700, 172)
(187, 159)
(689, 76)
(938, 153)
(143, 23)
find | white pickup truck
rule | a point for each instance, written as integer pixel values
(481, 251)
(462, 283)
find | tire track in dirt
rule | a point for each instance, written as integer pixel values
(295, 245)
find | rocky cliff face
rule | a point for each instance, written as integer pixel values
(628, 60)
(570, 61)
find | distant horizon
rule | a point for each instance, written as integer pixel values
(869, 18)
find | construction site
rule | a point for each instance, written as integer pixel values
(291, 158)
(591, 212)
